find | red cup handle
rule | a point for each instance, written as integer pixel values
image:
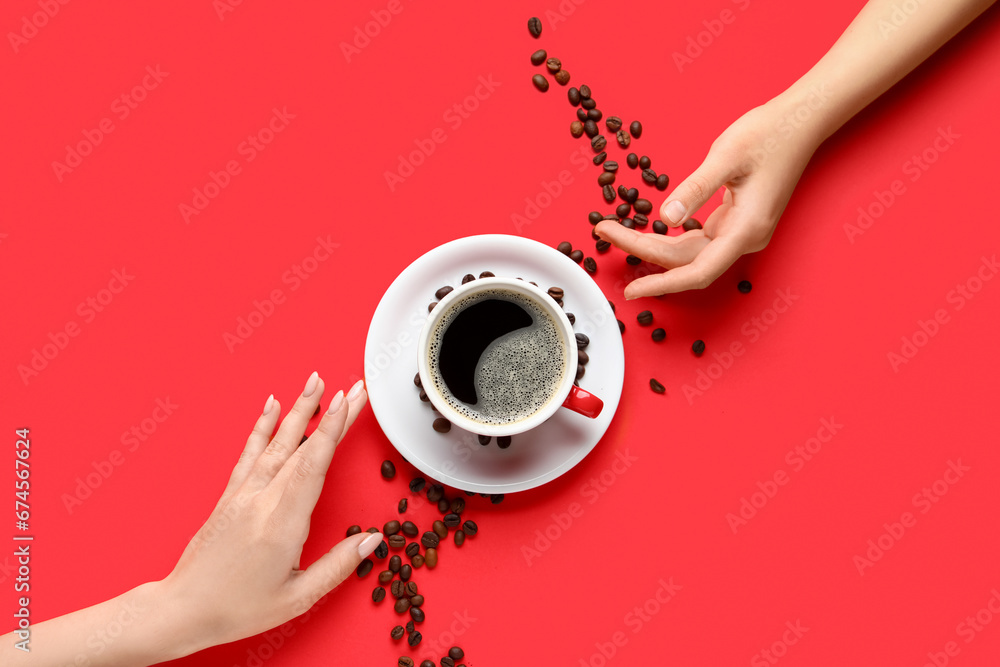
(582, 401)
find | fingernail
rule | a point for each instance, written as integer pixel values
(311, 385)
(675, 212)
(369, 544)
(268, 404)
(356, 390)
(337, 401)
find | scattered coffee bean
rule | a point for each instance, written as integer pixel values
(397, 633)
(623, 210)
(659, 227)
(401, 507)
(628, 223)
(395, 563)
(468, 278)
(556, 292)
(451, 520)
(655, 385)
(541, 83)
(623, 193)
(576, 256)
(487, 274)
(440, 529)
(382, 550)
(599, 159)
(598, 143)
(585, 92)
(643, 206)
(580, 370)
(588, 104)
(353, 530)
(427, 663)
(431, 305)
(594, 217)
(609, 193)
(412, 549)
(388, 469)
(417, 484)
(595, 114)
(662, 182)
(373, 530)
(442, 425)
(632, 160)
(603, 246)
(606, 178)
(571, 317)
(385, 576)
(457, 506)
(744, 287)
(610, 165)
(590, 266)
(456, 653)
(574, 96)
(404, 661)
(649, 176)
(378, 594)
(413, 639)
(645, 162)
(535, 27)
(484, 440)
(365, 567)
(641, 219)
(698, 347)
(582, 341)
(621, 327)
(576, 129)
(416, 601)
(416, 379)
(658, 335)
(565, 247)
(405, 573)
(623, 139)
(582, 357)
(391, 527)
(447, 662)
(612, 304)
(632, 260)
(443, 505)
(594, 235)
(470, 528)
(430, 539)
(614, 123)
(397, 541)
(431, 557)
(396, 589)
(561, 77)
(411, 590)
(590, 128)
(435, 493)
(496, 498)
(417, 561)
(645, 318)
(632, 195)
(410, 627)
(538, 57)
(581, 115)
(635, 129)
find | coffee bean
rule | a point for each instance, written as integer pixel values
(658, 335)
(588, 104)
(470, 528)
(628, 223)
(397, 541)
(576, 129)
(614, 123)
(468, 278)
(645, 318)
(487, 274)
(698, 347)
(590, 266)
(556, 292)
(691, 224)
(417, 561)
(598, 143)
(411, 589)
(447, 662)
(443, 505)
(609, 193)
(417, 484)
(632, 260)
(451, 520)
(431, 305)
(416, 601)
(395, 563)
(456, 653)
(561, 77)
(576, 256)
(595, 114)
(538, 57)
(623, 139)
(610, 165)
(582, 357)
(598, 159)
(388, 470)
(391, 527)
(612, 304)
(427, 663)
(580, 370)
(644, 162)
(744, 287)
(397, 633)
(353, 530)
(606, 178)
(431, 557)
(623, 193)
(574, 96)
(535, 27)
(412, 549)
(396, 588)
(442, 425)
(565, 247)
(372, 530)
(581, 115)
(601, 246)
(365, 567)
(643, 206)
(571, 317)
(457, 506)
(410, 627)
(659, 227)
(641, 219)
(382, 550)
(484, 440)
(582, 340)
(585, 91)
(430, 540)
(623, 210)
(635, 129)
(632, 160)
(496, 498)
(553, 65)
(631, 195)
(590, 128)
(655, 385)
(413, 639)
(594, 217)
(439, 529)
(649, 176)
(416, 379)
(385, 576)
(405, 573)
(621, 327)
(402, 604)
(378, 594)
(540, 82)
(662, 182)
(405, 662)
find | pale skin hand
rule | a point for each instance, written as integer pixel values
(240, 575)
(760, 157)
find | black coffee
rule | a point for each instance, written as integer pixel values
(497, 357)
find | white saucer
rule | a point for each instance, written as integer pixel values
(456, 458)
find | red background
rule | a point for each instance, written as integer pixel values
(663, 518)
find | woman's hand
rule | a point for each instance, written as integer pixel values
(758, 160)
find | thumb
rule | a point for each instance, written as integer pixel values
(336, 565)
(696, 189)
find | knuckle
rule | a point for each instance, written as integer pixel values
(698, 187)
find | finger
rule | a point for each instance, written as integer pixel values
(357, 397)
(256, 443)
(696, 189)
(710, 263)
(333, 567)
(288, 437)
(667, 251)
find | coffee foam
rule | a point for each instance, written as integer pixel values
(517, 374)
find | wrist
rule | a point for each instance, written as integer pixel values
(807, 112)
(165, 628)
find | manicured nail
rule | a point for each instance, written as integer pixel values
(268, 404)
(311, 385)
(355, 391)
(337, 401)
(369, 544)
(675, 212)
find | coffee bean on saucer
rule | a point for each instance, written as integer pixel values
(698, 347)
(561, 77)
(442, 425)
(565, 247)
(588, 104)
(658, 335)
(598, 143)
(606, 178)
(585, 91)
(603, 246)
(487, 274)
(353, 530)
(540, 82)
(582, 357)
(659, 227)
(600, 158)
(635, 129)
(417, 561)
(590, 128)
(632, 260)
(691, 224)
(580, 370)
(365, 567)
(378, 594)
(643, 206)
(744, 287)
(590, 266)
(484, 440)
(655, 385)
(631, 195)
(581, 115)
(423, 396)
(595, 114)
(641, 220)
(443, 505)
(456, 653)
(644, 162)
(621, 326)
(571, 317)
(593, 218)
(496, 498)
(628, 223)
(431, 557)
(538, 57)
(662, 182)
(397, 633)
(623, 139)
(576, 128)
(609, 193)
(649, 176)
(470, 528)
(417, 484)
(431, 305)
(401, 507)
(413, 639)
(385, 576)
(416, 379)
(614, 123)
(405, 573)
(457, 506)
(582, 341)
(535, 27)
(553, 65)
(468, 278)
(388, 469)
(632, 160)
(574, 96)
(556, 292)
